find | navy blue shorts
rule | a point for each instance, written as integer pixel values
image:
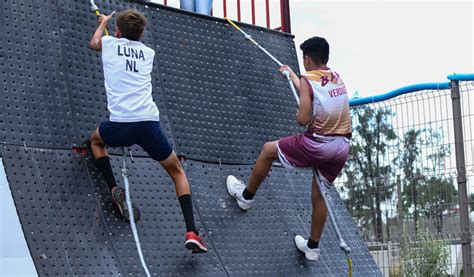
(147, 134)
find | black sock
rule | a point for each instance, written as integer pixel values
(187, 208)
(312, 244)
(247, 194)
(104, 167)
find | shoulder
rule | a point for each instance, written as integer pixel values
(108, 42)
(148, 50)
(108, 39)
(324, 77)
(336, 77)
(306, 79)
(313, 75)
(151, 51)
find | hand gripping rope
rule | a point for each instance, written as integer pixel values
(95, 10)
(133, 226)
(322, 188)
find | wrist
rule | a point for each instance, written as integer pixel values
(103, 24)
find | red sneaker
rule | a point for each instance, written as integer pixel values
(195, 243)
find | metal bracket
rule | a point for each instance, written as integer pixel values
(182, 157)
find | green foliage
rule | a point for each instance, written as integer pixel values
(367, 169)
(436, 196)
(374, 162)
(411, 169)
(425, 256)
(395, 272)
(428, 196)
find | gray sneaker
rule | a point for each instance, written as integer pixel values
(235, 187)
(310, 254)
(118, 199)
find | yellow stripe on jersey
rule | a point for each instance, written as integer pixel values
(318, 75)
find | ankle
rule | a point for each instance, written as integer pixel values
(247, 194)
(312, 244)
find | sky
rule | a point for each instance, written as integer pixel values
(378, 46)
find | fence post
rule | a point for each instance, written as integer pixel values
(461, 178)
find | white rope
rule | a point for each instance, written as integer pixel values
(286, 73)
(133, 226)
(323, 189)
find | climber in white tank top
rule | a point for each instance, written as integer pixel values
(324, 109)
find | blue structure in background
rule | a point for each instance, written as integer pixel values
(412, 88)
(461, 77)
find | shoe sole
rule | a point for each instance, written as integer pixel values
(195, 246)
(237, 200)
(304, 253)
(122, 207)
(311, 260)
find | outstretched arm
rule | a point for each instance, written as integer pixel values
(96, 40)
(293, 77)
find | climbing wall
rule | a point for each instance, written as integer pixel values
(220, 99)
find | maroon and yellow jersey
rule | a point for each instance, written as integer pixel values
(331, 114)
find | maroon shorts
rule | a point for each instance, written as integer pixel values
(328, 154)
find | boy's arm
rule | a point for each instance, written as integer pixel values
(96, 40)
(294, 78)
(305, 111)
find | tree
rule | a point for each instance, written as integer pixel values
(430, 196)
(367, 172)
(412, 171)
(440, 193)
(437, 195)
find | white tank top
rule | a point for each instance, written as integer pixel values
(127, 76)
(331, 114)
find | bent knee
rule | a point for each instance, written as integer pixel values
(176, 171)
(177, 167)
(172, 165)
(95, 138)
(269, 150)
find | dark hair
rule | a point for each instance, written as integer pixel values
(317, 48)
(131, 24)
